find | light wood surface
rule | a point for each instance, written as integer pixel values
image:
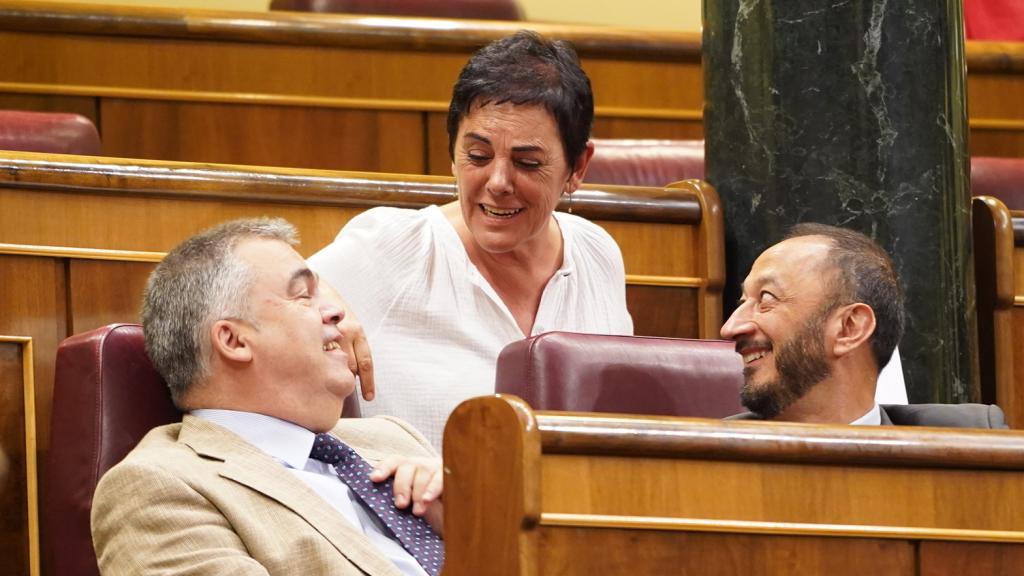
(19, 496)
(589, 493)
(358, 93)
(79, 236)
(994, 282)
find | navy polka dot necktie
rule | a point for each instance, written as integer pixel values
(413, 532)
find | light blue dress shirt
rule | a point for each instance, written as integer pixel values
(290, 445)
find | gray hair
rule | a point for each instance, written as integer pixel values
(198, 283)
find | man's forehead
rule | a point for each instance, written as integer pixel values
(791, 261)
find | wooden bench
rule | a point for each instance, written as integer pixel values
(583, 494)
(79, 236)
(356, 93)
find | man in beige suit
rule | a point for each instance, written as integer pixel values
(248, 343)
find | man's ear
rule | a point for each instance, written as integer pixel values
(230, 341)
(855, 324)
(582, 161)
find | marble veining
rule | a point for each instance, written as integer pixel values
(850, 113)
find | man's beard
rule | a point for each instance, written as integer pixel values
(800, 363)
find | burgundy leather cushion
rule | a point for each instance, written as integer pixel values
(1002, 178)
(645, 162)
(469, 9)
(106, 397)
(57, 133)
(623, 374)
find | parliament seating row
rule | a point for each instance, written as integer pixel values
(356, 93)
(581, 494)
(79, 236)
(998, 187)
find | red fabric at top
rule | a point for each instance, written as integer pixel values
(994, 19)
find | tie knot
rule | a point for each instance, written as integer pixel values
(327, 448)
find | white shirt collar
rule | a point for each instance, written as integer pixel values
(872, 418)
(285, 441)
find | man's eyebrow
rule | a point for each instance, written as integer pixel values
(301, 275)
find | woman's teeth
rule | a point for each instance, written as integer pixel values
(498, 213)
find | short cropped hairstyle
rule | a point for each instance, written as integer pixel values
(527, 69)
(865, 273)
(198, 283)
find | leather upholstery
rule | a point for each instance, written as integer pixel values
(623, 374)
(106, 397)
(1002, 178)
(467, 9)
(645, 162)
(52, 132)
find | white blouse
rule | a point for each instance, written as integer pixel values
(436, 326)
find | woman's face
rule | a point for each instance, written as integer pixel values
(511, 170)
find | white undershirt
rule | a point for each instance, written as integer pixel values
(872, 418)
(290, 445)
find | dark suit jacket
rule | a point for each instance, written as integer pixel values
(946, 415)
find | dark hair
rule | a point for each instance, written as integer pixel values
(865, 274)
(526, 68)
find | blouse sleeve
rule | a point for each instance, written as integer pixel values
(373, 257)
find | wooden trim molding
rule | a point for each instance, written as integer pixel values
(900, 446)
(186, 180)
(996, 124)
(307, 101)
(671, 281)
(777, 528)
(31, 469)
(372, 32)
(80, 253)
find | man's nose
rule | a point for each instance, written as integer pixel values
(738, 323)
(331, 314)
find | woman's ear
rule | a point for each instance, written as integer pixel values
(230, 341)
(580, 170)
(854, 327)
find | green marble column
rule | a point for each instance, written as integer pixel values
(853, 113)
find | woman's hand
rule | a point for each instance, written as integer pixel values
(353, 342)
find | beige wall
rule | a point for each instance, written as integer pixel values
(665, 14)
(673, 15)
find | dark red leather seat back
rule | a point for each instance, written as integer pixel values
(1002, 178)
(53, 132)
(623, 374)
(645, 162)
(466, 9)
(106, 397)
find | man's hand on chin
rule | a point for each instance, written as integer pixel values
(419, 482)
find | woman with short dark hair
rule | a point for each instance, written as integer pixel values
(440, 291)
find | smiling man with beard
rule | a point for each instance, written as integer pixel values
(820, 315)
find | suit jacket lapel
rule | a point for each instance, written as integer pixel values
(886, 421)
(247, 465)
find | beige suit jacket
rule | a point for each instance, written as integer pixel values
(194, 498)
